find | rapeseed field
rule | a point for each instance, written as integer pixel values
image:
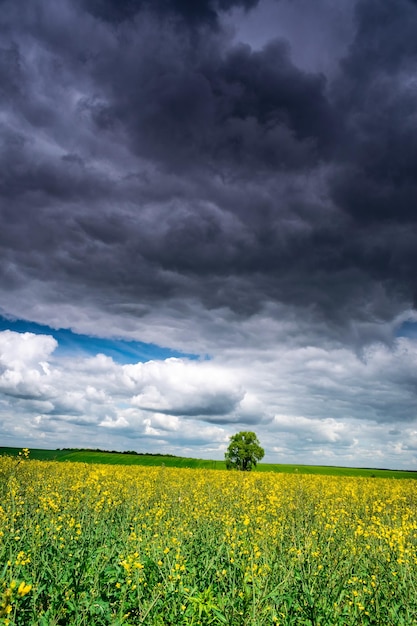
(105, 545)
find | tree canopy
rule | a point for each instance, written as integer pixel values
(244, 451)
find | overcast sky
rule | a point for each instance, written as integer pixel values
(209, 224)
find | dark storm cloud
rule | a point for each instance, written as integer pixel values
(231, 111)
(377, 92)
(203, 11)
(146, 158)
(376, 182)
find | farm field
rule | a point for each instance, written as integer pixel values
(116, 458)
(90, 544)
(119, 458)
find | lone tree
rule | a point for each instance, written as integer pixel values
(244, 451)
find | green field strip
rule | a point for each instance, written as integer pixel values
(119, 458)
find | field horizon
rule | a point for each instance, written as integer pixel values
(113, 457)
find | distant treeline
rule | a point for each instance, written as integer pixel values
(173, 456)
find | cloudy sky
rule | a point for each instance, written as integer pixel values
(208, 223)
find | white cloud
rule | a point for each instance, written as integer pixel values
(315, 431)
(180, 387)
(23, 371)
(307, 404)
(19, 350)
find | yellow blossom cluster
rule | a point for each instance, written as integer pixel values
(160, 546)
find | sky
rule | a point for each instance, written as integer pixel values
(208, 224)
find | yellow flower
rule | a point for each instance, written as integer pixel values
(23, 589)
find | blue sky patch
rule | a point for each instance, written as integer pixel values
(73, 344)
(407, 329)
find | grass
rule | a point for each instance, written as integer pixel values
(328, 470)
(116, 458)
(119, 458)
(98, 545)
